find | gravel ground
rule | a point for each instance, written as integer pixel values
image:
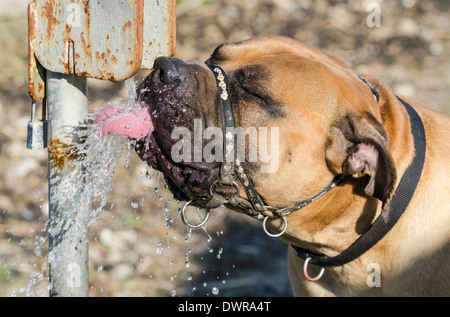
(138, 245)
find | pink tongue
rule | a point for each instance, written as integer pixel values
(134, 123)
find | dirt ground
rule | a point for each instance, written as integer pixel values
(138, 245)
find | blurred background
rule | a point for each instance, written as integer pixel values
(138, 244)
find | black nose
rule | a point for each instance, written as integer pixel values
(167, 69)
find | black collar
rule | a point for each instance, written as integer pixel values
(231, 166)
(399, 203)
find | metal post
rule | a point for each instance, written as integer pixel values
(101, 39)
(68, 229)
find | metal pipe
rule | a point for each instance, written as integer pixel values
(68, 223)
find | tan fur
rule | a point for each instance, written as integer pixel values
(317, 93)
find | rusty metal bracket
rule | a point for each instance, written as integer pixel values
(103, 39)
(36, 73)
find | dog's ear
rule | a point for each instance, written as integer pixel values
(359, 147)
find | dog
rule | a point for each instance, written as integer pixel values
(330, 122)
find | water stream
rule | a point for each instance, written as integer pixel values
(93, 173)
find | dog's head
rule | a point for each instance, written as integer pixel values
(312, 115)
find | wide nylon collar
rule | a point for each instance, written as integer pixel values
(399, 203)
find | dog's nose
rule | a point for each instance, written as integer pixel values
(167, 69)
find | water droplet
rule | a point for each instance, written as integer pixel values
(188, 235)
(160, 249)
(219, 253)
(215, 291)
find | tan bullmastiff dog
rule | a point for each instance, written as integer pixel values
(354, 164)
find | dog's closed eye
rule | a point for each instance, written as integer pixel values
(248, 84)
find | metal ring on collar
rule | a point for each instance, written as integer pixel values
(193, 226)
(213, 185)
(305, 271)
(276, 235)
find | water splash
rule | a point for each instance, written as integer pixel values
(96, 161)
(93, 169)
(84, 191)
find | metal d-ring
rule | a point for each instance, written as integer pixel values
(305, 271)
(193, 226)
(274, 235)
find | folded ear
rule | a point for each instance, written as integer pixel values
(359, 147)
